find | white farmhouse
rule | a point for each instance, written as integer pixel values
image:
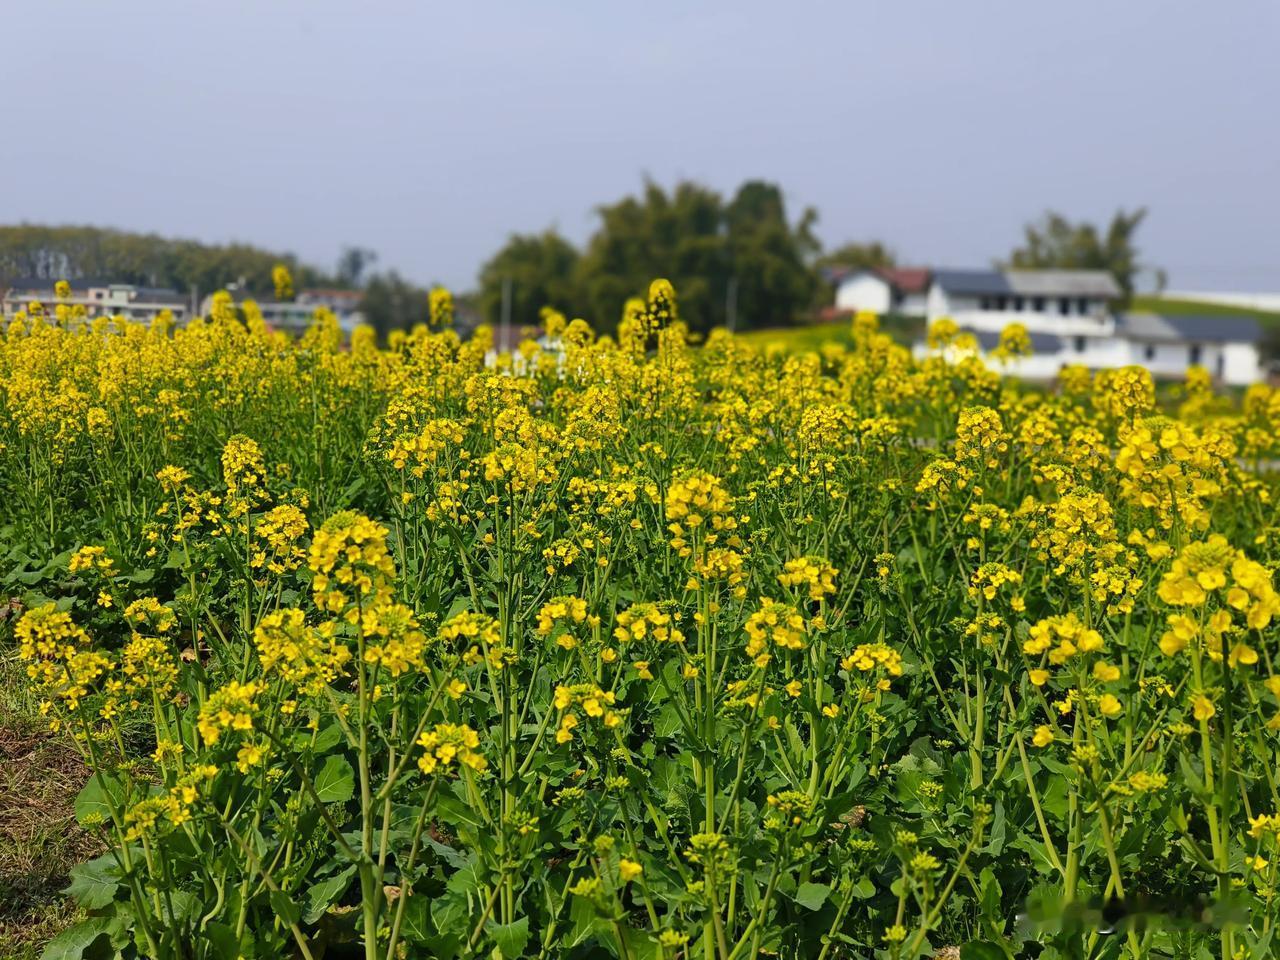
(881, 290)
(1068, 316)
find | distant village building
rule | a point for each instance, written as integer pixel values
(1069, 318)
(882, 290)
(294, 316)
(99, 299)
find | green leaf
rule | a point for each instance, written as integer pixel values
(94, 884)
(510, 937)
(322, 894)
(223, 940)
(328, 738)
(982, 950)
(812, 896)
(83, 941)
(864, 889)
(335, 782)
(99, 797)
(284, 907)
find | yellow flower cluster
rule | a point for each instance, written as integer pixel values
(593, 702)
(304, 656)
(775, 623)
(641, 621)
(981, 436)
(351, 564)
(448, 743)
(230, 707)
(562, 612)
(813, 574)
(871, 656)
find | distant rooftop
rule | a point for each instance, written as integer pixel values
(1183, 327)
(1063, 283)
(1029, 283)
(972, 282)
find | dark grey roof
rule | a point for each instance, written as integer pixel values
(1179, 327)
(1040, 342)
(981, 282)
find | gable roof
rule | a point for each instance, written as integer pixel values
(1183, 327)
(979, 282)
(907, 279)
(1063, 283)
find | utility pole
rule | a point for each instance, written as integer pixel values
(731, 305)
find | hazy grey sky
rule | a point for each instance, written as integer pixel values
(430, 131)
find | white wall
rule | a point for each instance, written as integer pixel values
(914, 305)
(1053, 323)
(1233, 363)
(864, 291)
(1241, 364)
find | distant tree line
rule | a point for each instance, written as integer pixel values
(73, 253)
(735, 260)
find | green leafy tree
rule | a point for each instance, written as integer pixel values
(743, 252)
(768, 256)
(678, 235)
(539, 270)
(1056, 242)
(857, 256)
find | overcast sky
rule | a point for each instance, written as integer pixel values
(430, 131)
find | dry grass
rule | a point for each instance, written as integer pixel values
(40, 841)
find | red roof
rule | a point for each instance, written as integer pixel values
(907, 279)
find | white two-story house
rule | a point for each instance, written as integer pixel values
(1068, 315)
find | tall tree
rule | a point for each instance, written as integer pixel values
(1056, 242)
(678, 235)
(538, 271)
(353, 262)
(743, 255)
(767, 256)
(392, 303)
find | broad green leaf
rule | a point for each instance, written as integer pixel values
(84, 941)
(812, 896)
(94, 884)
(324, 893)
(336, 782)
(223, 940)
(982, 950)
(510, 937)
(284, 906)
(100, 795)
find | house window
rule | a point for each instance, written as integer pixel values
(1001, 303)
(1150, 352)
(1080, 344)
(1017, 303)
(1064, 306)
(1193, 353)
(1084, 306)
(1038, 304)
(984, 303)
